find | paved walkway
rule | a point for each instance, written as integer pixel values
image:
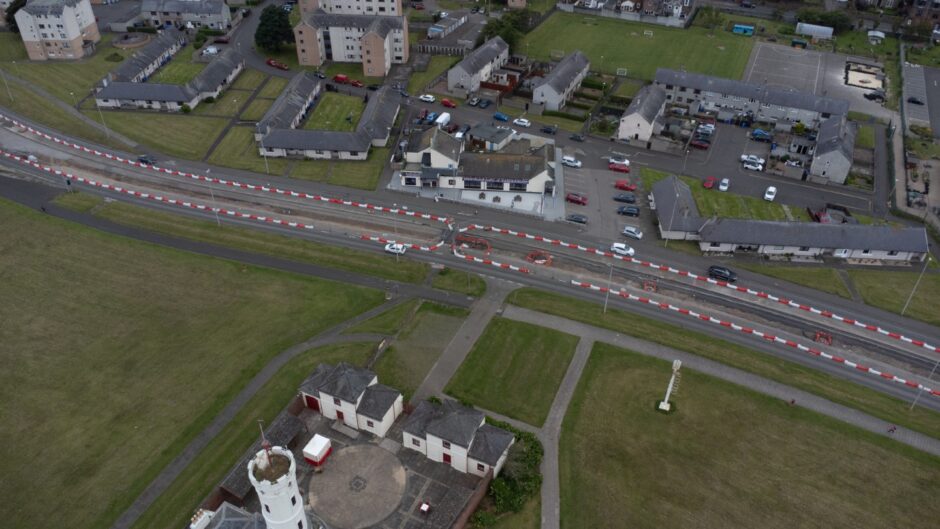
(169, 473)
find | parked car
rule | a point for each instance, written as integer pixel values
(427, 98)
(277, 64)
(709, 182)
(417, 6)
(570, 161)
(632, 231)
(722, 273)
(621, 161)
(474, 101)
(448, 103)
(762, 136)
(452, 128)
(619, 167)
(577, 137)
(770, 194)
(876, 95)
(628, 198)
(431, 117)
(915, 100)
(211, 50)
(485, 103)
(341, 79)
(499, 116)
(794, 163)
(396, 248)
(753, 166)
(320, 75)
(403, 93)
(549, 129)
(620, 248)
(579, 219)
(699, 144)
(143, 158)
(625, 185)
(724, 184)
(752, 158)
(576, 198)
(522, 122)
(630, 211)
(287, 7)
(356, 83)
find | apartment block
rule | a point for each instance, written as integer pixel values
(58, 29)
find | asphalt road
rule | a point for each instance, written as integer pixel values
(932, 85)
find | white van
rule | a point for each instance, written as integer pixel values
(442, 120)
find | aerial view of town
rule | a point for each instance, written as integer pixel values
(483, 264)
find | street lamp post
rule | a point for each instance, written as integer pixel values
(916, 284)
(215, 208)
(5, 83)
(264, 154)
(929, 378)
(610, 276)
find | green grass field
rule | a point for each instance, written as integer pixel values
(890, 290)
(413, 352)
(356, 174)
(823, 279)
(249, 79)
(835, 389)
(438, 65)
(123, 352)
(256, 109)
(11, 47)
(228, 105)
(727, 457)
(389, 322)
(273, 87)
(514, 369)
(174, 507)
(180, 70)
(628, 88)
(611, 44)
(336, 112)
(282, 246)
(865, 138)
(459, 281)
(175, 134)
(239, 150)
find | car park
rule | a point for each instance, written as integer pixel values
(724, 184)
(709, 182)
(618, 167)
(579, 219)
(549, 129)
(770, 194)
(620, 248)
(722, 273)
(915, 100)
(577, 137)
(699, 144)
(474, 101)
(396, 248)
(628, 198)
(485, 103)
(448, 103)
(570, 161)
(753, 166)
(630, 211)
(576, 198)
(499, 116)
(522, 122)
(356, 83)
(632, 231)
(277, 64)
(752, 158)
(427, 98)
(625, 185)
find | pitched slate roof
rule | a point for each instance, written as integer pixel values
(450, 421)
(380, 25)
(379, 115)
(217, 71)
(290, 103)
(200, 7)
(489, 133)
(771, 96)
(562, 75)
(48, 7)
(648, 103)
(834, 137)
(675, 207)
(377, 400)
(147, 55)
(816, 235)
(502, 166)
(347, 382)
(228, 516)
(148, 92)
(480, 57)
(490, 443)
(436, 139)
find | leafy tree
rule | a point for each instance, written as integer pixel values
(274, 29)
(14, 6)
(710, 16)
(501, 28)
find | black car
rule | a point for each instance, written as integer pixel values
(580, 219)
(465, 129)
(577, 137)
(485, 103)
(403, 93)
(915, 101)
(549, 129)
(628, 198)
(146, 159)
(875, 96)
(722, 274)
(321, 75)
(630, 211)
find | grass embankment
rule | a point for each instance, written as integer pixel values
(247, 239)
(833, 388)
(823, 279)
(727, 456)
(124, 351)
(180, 135)
(515, 369)
(459, 281)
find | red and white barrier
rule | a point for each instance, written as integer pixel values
(233, 183)
(159, 198)
(761, 334)
(497, 264)
(666, 268)
(383, 240)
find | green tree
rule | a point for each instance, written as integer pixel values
(274, 29)
(501, 28)
(14, 6)
(710, 17)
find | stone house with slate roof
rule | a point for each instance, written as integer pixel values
(478, 66)
(835, 150)
(560, 84)
(642, 118)
(213, 14)
(456, 435)
(352, 395)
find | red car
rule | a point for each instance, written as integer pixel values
(277, 64)
(698, 144)
(357, 84)
(625, 185)
(417, 6)
(709, 182)
(619, 167)
(575, 198)
(448, 103)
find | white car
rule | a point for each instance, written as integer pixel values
(621, 161)
(750, 158)
(724, 184)
(570, 161)
(753, 166)
(770, 194)
(522, 122)
(620, 248)
(211, 50)
(632, 232)
(396, 248)
(427, 98)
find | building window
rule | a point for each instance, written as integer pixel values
(893, 252)
(866, 251)
(715, 244)
(451, 182)
(336, 401)
(293, 500)
(517, 186)
(481, 467)
(415, 442)
(267, 508)
(370, 424)
(494, 186)
(446, 444)
(472, 184)
(804, 248)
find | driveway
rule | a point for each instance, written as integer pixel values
(915, 85)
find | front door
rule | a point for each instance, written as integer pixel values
(447, 458)
(312, 402)
(339, 415)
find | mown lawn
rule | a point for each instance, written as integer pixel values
(256, 109)
(611, 44)
(357, 174)
(249, 79)
(180, 135)
(335, 111)
(239, 150)
(175, 506)
(273, 87)
(727, 456)
(180, 70)
(514, 369)
(281, 246)
(865, 138)
(459, 281)
(123, 351)
(227, 105)
(890, 290)
(839, 390)
(389, 322)
(437, 66)
(823, 279)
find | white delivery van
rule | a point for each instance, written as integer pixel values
(442, 120)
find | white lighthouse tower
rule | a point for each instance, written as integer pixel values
(273, 472)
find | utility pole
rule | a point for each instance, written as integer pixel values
(916, 284)
(610, 276)
(215, 208)
(5, 83)
(929, 379)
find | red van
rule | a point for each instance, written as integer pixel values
(340, 78)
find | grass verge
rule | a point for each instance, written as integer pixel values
(389, 322)
(890, 290)
(459, 281)
(437, 66)
(174, 134)
(239, 150)
(822, 279)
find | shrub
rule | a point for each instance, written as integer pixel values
(565, 115)
(619, 100)
(209, 99)
(114, 57)
(145, 29)
(587, 95)
(596, 84)
(520, 478)
(209, 32)
(185, 109)
(583, 106)
(922, 131)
